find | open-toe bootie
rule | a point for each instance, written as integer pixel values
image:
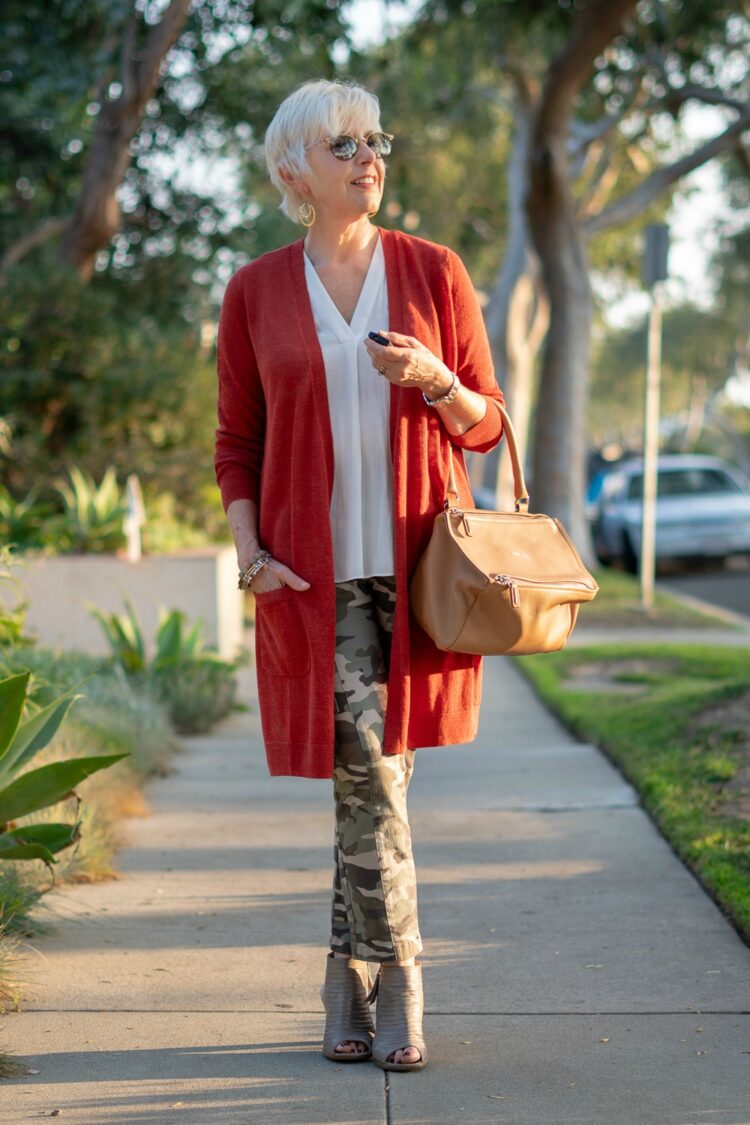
(348, 1015)
(398, 1020)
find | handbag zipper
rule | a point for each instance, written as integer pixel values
(507, 583)
(512, 584)
(461, 516)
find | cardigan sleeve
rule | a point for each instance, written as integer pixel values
(474, 360)
(241, 407)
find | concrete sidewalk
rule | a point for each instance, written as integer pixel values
(575, 971)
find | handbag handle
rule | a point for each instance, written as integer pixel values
(519, 483)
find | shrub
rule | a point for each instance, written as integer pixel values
(197, 687)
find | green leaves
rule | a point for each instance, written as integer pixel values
(49, 784)
(12, 699)
(124, 636)
(38, 841)
(36, 789)
(34, 734)
(174, 646)
(195, 684)
(93, 517)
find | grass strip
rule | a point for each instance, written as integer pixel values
(682, 769)
(617, 605)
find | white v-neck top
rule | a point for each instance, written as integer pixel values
(359, 408)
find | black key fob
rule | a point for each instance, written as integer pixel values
(379, 339)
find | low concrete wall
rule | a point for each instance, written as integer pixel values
(202, 582)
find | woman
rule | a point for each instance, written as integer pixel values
(332, 455)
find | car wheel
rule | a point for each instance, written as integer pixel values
(629, 557)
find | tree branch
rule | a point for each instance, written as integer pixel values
(675, 97)
(97, 215)
(631, 204)
(159, 42)
(50, 228)
(598, 24)
(128, 69)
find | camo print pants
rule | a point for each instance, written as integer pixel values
(374, 914)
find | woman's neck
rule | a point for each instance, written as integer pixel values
(329, 243)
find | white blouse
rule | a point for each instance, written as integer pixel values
(359, 407)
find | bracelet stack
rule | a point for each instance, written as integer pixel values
(448, 397)
(247, 573)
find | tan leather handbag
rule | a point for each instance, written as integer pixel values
(499, 582)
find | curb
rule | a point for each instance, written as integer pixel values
(711, 610)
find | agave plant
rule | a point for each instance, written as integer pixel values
(93, 517)
(194, 683)
(124, 636)
(22, 522)
(21, 738)
(173, 645)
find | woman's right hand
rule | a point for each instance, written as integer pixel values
(273, 576)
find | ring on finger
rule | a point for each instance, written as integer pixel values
(381, 371)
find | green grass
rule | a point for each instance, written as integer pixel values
(617, 605)
(679, 769)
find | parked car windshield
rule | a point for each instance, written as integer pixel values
(685, 482)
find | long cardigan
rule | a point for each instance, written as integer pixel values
(274, 446)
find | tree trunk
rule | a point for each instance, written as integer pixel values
(97, 217)
(97, 214)
(560, 450)
(559, 464)
(517, 315)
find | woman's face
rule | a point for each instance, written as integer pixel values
(345, 188)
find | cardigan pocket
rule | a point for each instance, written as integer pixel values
(281, 645)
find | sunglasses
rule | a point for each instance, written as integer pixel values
(345, 147)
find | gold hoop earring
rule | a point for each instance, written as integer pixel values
(307, 214)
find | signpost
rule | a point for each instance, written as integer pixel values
(654, 275)
(135, 515)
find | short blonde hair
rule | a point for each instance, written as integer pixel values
(319, 108)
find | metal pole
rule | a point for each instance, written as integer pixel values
(651, 449)
(135, 515)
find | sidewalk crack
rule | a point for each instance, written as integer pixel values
(387, 1092)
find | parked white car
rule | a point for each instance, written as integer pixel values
(702, 510)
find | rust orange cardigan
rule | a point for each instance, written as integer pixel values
(274, 445)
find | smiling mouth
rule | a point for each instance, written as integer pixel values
(369, 182)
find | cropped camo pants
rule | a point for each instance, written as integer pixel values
(374, 914)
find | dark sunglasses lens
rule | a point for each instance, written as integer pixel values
(380, 144)
(344, 148)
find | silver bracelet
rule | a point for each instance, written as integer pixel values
(247, 573)
(448, 397)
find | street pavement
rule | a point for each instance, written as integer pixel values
(575, 971)
(727, 585)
